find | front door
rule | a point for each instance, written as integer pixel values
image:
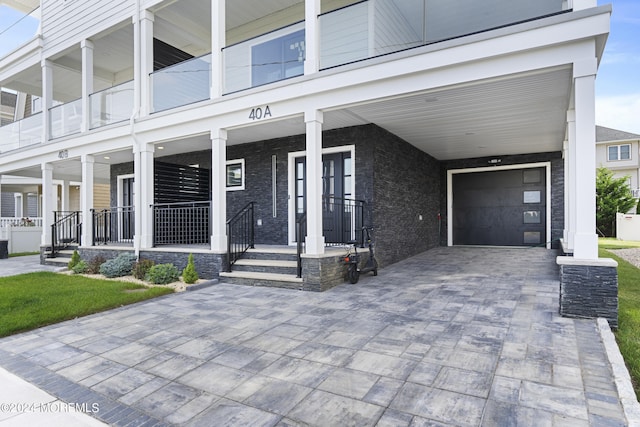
(127, 214)
(336, 187)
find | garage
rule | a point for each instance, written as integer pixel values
(499, 206)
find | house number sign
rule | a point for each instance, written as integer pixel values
(258, 113)
(63, 154)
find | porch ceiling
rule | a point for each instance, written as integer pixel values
(518, 114)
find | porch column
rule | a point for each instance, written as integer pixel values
(312, 36)
(143, 198)
(315, 239)
(48, 200)
(571, 183)
(47, 98)
(86, 199)
(586, 239)
(146, 62)
(218, 191)
(87, 83)
(218, 42)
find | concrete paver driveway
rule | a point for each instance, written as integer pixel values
(454, 336)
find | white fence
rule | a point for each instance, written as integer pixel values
(21, 239)
(20, 222)
(628, 227)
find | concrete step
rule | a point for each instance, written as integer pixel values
(60, 262)
(251, 278)
(283, 253)
(266, 266)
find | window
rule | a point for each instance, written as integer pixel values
(235, 175)
(619, 152)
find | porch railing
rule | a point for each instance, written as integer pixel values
(113, 225)
(111, 105)
(65, 119)
(65, 230)
(21, 133)
(301, 234)
(240, 234)
(342, 220)
(182, 84)
(182, 223)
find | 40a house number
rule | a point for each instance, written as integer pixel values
(260, 113)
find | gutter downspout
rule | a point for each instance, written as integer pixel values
(137, 84)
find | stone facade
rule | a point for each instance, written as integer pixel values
(589, 292)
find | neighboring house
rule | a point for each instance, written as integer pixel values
(619, 152)
(465, 123)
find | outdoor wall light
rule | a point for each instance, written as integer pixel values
(495, 161)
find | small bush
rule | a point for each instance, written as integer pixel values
(80, 267)
(141, 268)
(75, 259)
(161, 274)
(189, 274)
(118, 266)
(93, 266)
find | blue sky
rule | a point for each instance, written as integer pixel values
(617, 84)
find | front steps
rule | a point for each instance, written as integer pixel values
(274, 266)
(62, 258)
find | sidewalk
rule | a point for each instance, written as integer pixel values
(24, 264)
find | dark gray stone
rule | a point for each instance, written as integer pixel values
(589, 292)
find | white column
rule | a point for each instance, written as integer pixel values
(315, 239)
(571, 184)
(312, 36)
(143, 198)
(146, 62)
(47, 98)
(47, 202)
(565, 159)
(218, 190)
(586, 239)
(87, 83)
(86, 199)
(218, 42)
(64, 197)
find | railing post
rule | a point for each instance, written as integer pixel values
(252, 230)
(94, 221)
(106, 226)
(229, 238)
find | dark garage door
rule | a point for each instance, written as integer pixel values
(500, 208)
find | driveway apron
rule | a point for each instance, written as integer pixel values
(454, 336)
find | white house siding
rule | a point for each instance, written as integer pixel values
(66, 23)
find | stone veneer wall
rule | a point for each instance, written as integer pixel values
(589, 292)
(208, 265)
(557, 186)
(320, 274)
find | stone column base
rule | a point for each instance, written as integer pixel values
(589, 288)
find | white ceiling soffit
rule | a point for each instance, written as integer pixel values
(24, 6)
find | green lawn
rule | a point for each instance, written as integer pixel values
(32, 300)
(628, 333)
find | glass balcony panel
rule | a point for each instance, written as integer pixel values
(31, 130)
(268, 58)
(65, 119)
(182, 84)
(111, 105)
(373, 28)
(10, 137)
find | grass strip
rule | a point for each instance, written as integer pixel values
(32, 300)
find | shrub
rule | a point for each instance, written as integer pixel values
(189, 274)
(93, 266)
(118, 266)
(80, 267)
(161, 274)
(141, 268)
(75, 259)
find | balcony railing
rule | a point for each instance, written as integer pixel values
(270, 57)
(182, 84)
(368, 29)
(21, 133)
(181, 223)
(65, 119)
(113, 226)
(19, 33)
(111, 105)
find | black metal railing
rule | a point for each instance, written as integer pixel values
(65, 230)
(240, 234)
(183, 223)
(342, 220)
(301, 235)
(113, 225)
